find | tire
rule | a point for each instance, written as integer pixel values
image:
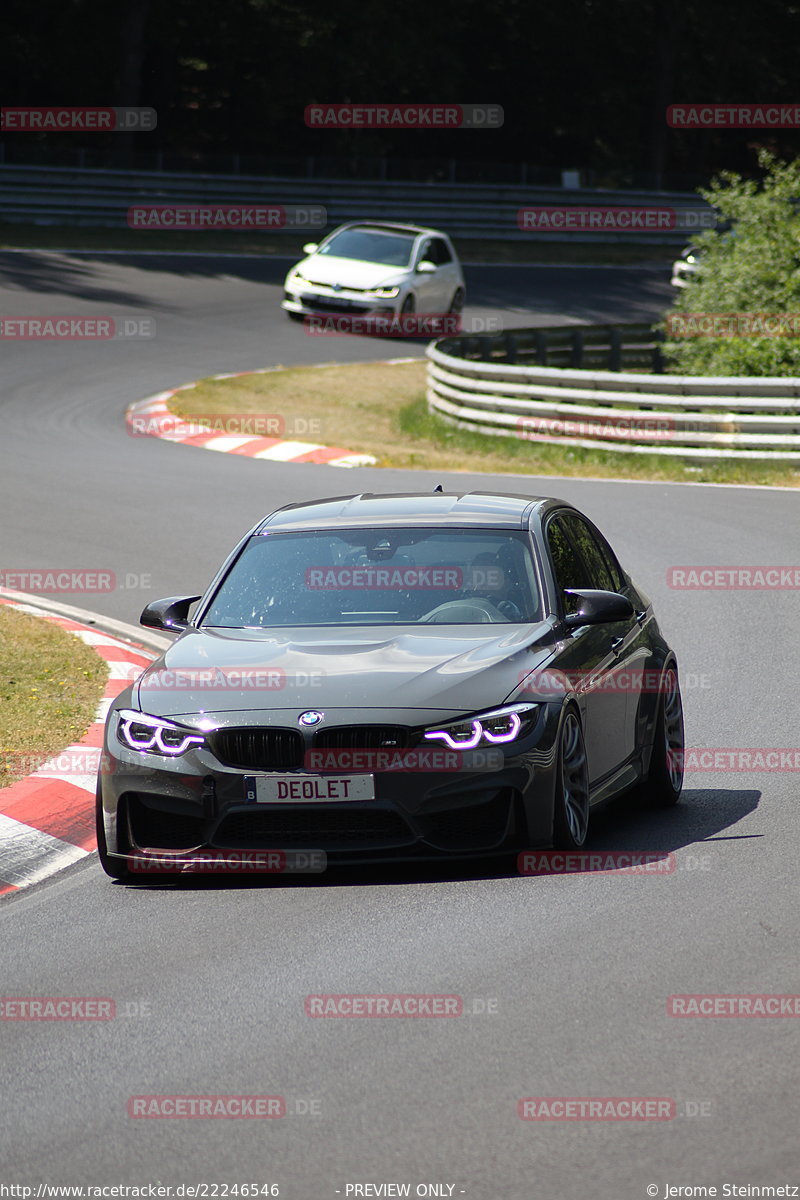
(457, 303)
(294, 316)
(661, 788)
(114, 867)
(409, 304)
(571, 801)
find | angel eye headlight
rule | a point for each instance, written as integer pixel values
(152, 735)
(385, 293)
(492, 728)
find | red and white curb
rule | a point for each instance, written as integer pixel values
(47, 820)
(152, 418)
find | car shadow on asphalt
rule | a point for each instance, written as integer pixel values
(702, 816)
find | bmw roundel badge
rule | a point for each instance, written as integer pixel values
(310, 718)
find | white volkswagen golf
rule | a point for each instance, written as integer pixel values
(371, 267)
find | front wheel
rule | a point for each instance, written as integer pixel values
(409, 304)
(662, 786)
(571, 811)
(457, 303)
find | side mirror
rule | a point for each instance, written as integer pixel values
(171, 614)
(597, 608)
(426, 268)
(310, 247)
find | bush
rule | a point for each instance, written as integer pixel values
(752, 268)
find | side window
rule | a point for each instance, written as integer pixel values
(591, 552)
(442, 254)
(567, 566)
(613, 565)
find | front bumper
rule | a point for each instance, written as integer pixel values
(197, 805)
(313, 301)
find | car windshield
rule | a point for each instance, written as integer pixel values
(379, 577)
(372, 245)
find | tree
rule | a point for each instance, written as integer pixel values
(748, 267)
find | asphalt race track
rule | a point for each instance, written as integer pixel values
(565, 979)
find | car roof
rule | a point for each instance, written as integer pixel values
(389, 227)
(511, 510)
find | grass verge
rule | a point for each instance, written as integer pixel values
(380, 409)
(50, 686)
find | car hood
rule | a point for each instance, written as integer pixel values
(461, 669)
(349, 272)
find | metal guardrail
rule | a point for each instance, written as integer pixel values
(598, 347)
(683, 416)
(101, 198)
(352, 165)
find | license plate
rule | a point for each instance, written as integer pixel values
(308, 789)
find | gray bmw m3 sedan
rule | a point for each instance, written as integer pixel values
(386, 677)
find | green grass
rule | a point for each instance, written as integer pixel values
(50, 686)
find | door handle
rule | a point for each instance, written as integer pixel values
(641, 616)
(616, 645)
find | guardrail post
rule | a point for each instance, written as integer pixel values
(511, 348)
(542, 341)
(658, 355)
(615, 349)
(576, 355)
